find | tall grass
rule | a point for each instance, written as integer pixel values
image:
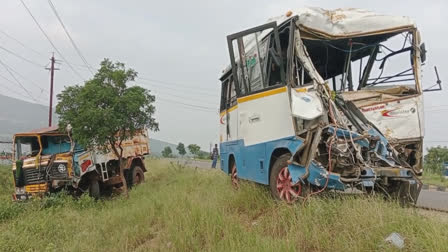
(185, 209)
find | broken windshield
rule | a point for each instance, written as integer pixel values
(26, 147)
(55, 144)
(368, 62)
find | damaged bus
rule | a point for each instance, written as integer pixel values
(317, 100)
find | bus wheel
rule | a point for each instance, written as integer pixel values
(281, 184)
(234, 177)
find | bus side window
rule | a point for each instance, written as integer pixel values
(224, 95)
(231, 100)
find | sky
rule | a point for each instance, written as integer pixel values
(179, 50)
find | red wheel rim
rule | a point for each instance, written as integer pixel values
(234, 176)
(286, 190)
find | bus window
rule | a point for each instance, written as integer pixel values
(231, 100)
(254, 54)
(224, 95)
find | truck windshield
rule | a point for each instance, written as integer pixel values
(26, 147)
(55, 144)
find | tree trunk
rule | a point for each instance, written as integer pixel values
(122, 164)
(123, 179)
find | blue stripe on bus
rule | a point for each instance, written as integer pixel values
(253, 161)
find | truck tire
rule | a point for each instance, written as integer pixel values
(94, 189)
(138, 176)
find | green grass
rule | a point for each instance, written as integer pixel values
(6, 182)
(185, 209)
(434, 179)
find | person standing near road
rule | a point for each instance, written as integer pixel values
(214, 156)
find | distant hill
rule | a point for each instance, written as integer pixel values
(18, 116)
(157, 146)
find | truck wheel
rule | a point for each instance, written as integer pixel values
(137, 175)
(94, 189)
(280, 181)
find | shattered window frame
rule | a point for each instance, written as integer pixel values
(273, 48)
(358, 51)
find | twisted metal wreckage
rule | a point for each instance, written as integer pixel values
(350, 133)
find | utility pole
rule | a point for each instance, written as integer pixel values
(50, 113)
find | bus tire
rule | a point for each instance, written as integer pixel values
(280, 182)
(234, 176)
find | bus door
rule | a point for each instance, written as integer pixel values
(264, 112)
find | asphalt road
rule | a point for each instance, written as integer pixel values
(428, 199)
(433, 199)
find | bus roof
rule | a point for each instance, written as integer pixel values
(318, 23)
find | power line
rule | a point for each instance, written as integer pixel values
(187, 107)
(23, 77)
(155, 91)
(10, 90)
(21, 57)
(202, 92)
(70, 37)
(188, 104)
(183, 97)
(49, 40)
(175, 84)
(29, 80)
(23, 45)
(17, 81)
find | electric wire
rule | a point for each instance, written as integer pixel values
(78, 51)
(23, 77)
(186, 107)
(51, 42)
(188, 97)
(174, 84)
(188, 104)
(201, 92)
(180, 97)
(21, 57)
(17, 81)
(22, 44)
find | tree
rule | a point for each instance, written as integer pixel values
(167, 152)
(105, 111)
(194, 149)
(181, 149)
(434, 159)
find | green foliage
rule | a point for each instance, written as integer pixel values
(167, 152)
(181, 149)
(6, 181)
(194, 149)
(203, 155)
(433, 160)
(105, 110)
(438, 179)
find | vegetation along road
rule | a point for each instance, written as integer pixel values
(185, 209)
